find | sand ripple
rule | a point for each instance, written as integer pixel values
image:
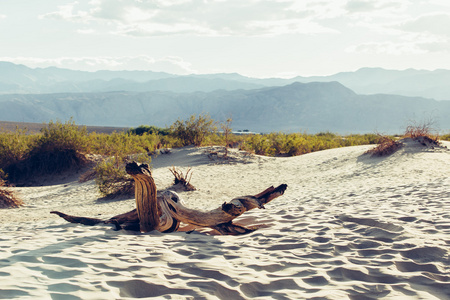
(333, 235)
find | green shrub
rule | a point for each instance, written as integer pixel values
(57, 148)
(258, 144)
(111, 178)
(14, 146)
(140, 130)
(195, 130)
(66, 135)
(281, 144)
(296, 144)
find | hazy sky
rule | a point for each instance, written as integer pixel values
(258, 38)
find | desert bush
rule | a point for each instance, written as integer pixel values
(120, 144)
(57, 148)
(386, 146)
(13, 148)
(359, 139)
(7, 197)
(119, 148)
(140, 130)
(445, 137)
(258, 144)
(281, 144)
(422, 129)
(111, 178)
(195, 130)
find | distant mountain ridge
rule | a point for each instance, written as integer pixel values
(297, 107)
(24, 80)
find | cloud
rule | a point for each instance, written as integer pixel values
(359, 6)
(289, 25)
(409, 45)
(434, 23)
(201, 17)
(171, 64)
(67, 12)
(427, 33)
(371, 6)
(86, 31)
(390, 48)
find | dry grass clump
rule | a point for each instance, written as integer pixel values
(7, 198)
(182, 180)
(386, 146)
(422, 132)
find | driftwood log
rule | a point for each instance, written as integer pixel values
(165, 212)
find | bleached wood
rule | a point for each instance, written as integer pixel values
(165, 212)
(172, 211)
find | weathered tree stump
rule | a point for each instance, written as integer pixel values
(165, 212)
(145, 195)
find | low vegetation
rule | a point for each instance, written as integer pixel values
(281, 144)
(62, 146)
(194, 131)
(421, 132)
(7, 197)
(56, 148)
(386, 146)
(140, 130)
(181, 180)
(424, 131)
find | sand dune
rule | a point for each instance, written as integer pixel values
(349, 226)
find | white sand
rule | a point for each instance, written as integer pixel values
(348, 227)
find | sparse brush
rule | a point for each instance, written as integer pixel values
(112, 180)
(422, 130)
(182, 180)
(7, 198)
(386, 146)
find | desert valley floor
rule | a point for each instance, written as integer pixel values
(349, 226)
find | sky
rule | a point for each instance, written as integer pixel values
(256, 38)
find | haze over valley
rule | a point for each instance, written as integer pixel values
(310, 104)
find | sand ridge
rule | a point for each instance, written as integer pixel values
(349, 226)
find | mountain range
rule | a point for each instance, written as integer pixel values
(24, 80)
(311, 104)
(298, 107)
